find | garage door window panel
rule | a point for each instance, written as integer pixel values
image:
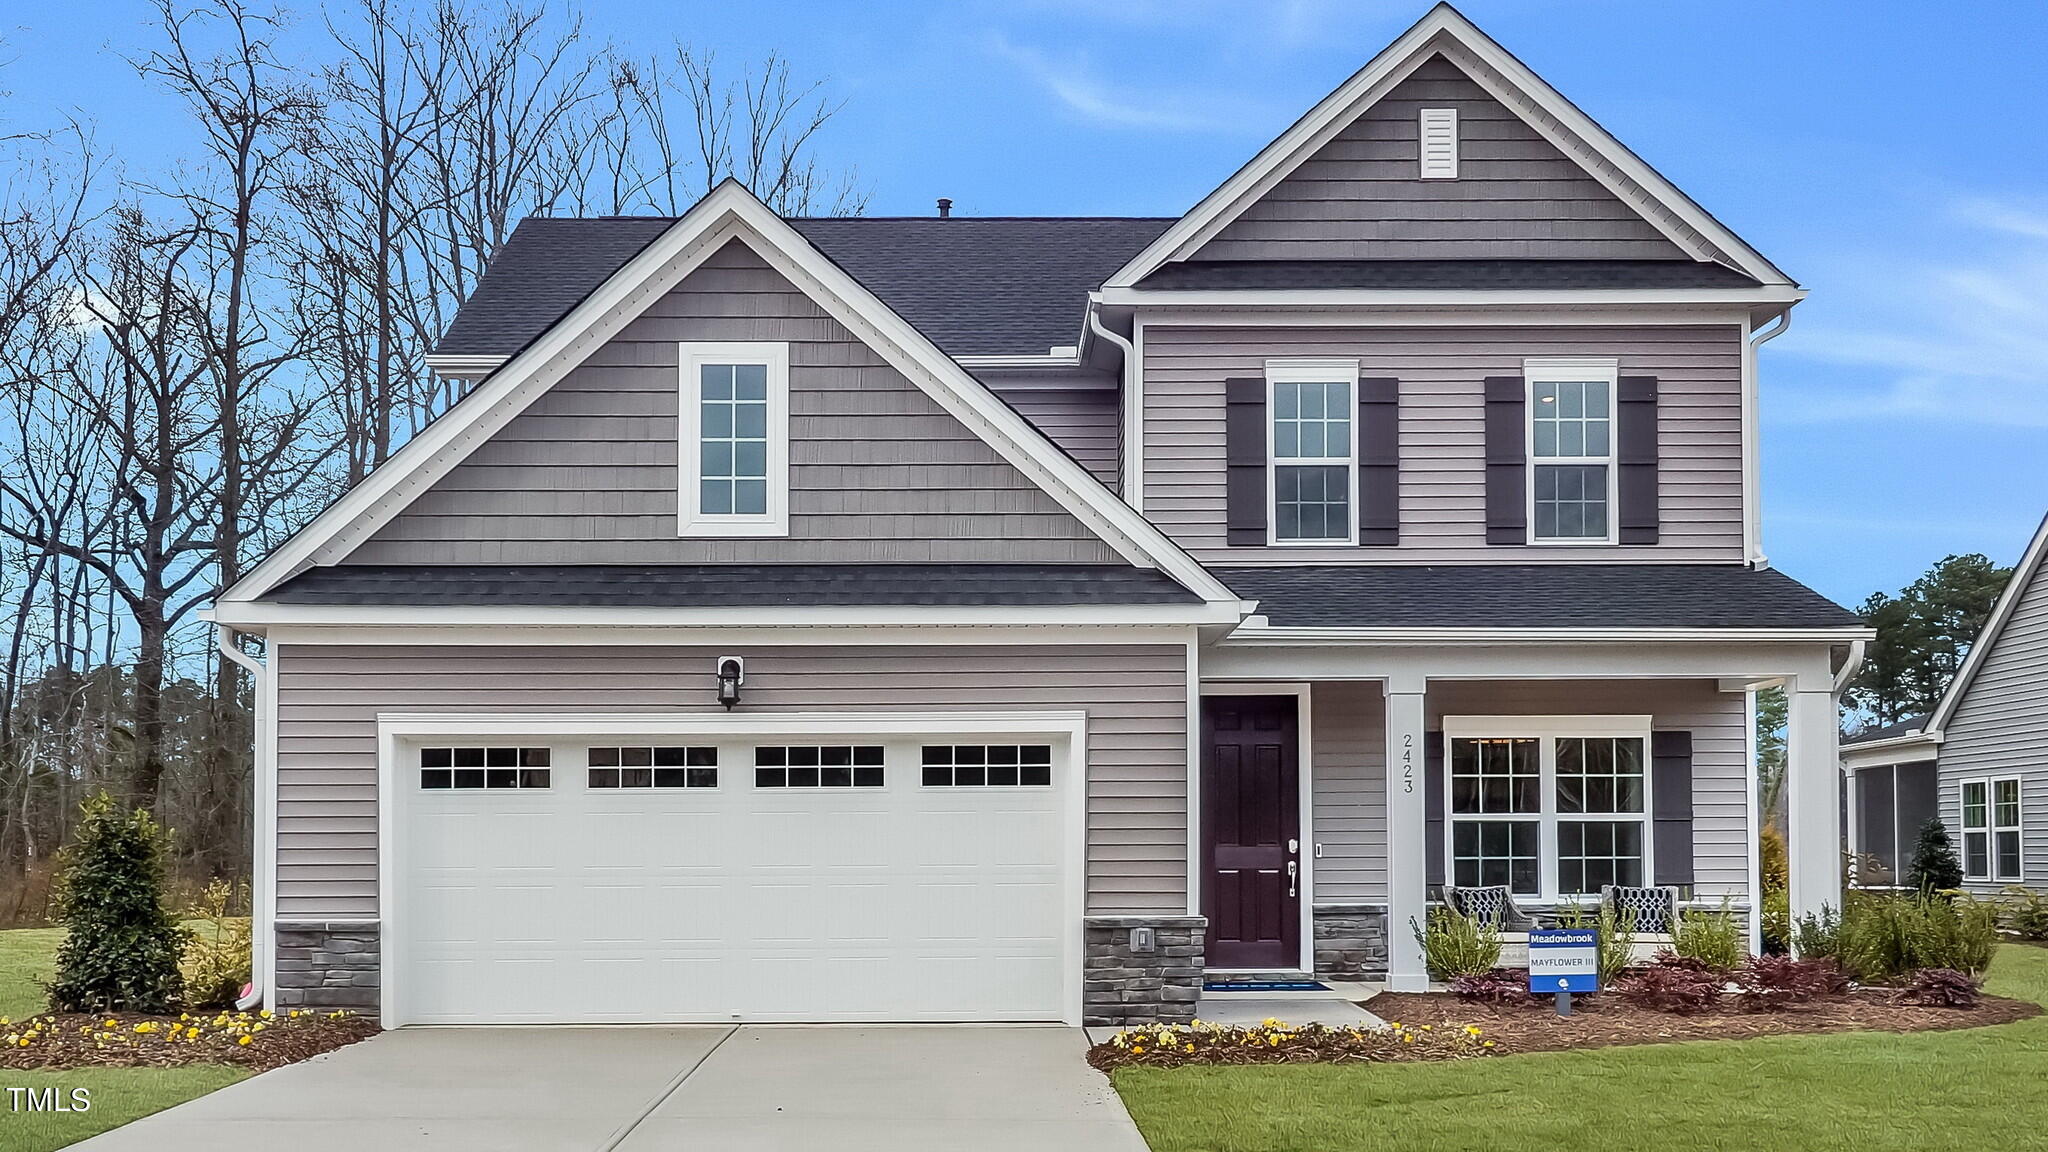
(818, 766)
(485, 768)
(659, 766)
(992, 765)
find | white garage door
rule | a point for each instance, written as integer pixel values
(615, 878)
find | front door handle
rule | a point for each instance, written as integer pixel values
(1293, 869)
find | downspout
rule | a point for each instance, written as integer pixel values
(1131, 431)
(263, 896)
(1851, 666)
(1752, 478)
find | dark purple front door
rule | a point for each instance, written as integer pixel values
(1251, 831)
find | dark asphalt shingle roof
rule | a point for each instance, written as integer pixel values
(1907, 727)
(974, 285)
(1444, 274)
(732, 585)
(1533, 596)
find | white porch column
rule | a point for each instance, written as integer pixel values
(1812, 801)
(1407, 839)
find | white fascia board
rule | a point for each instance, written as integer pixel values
(1442, 25)
(728, 212)
(993, 361)
(474, 366)
(2023, 574)
(248, 616)
(1287, 313)
(1350, 637)
(413, 637)
(1908, 749)
(1325, 298)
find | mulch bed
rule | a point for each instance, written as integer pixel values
(129, 1039)
(1601, 1021)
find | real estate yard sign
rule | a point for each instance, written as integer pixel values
(1563, 961)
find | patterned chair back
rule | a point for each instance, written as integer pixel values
(1655, 909)
(1488, 905)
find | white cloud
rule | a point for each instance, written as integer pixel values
(1961, 341)
(1077, 85)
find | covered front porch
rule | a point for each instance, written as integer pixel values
(1341, 786)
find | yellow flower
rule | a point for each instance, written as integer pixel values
(258, 1028)
(244, 1040)
(112, 1023)
(1190, 1048)
(1471, 1030)
(266, 1013)
(145, 1027)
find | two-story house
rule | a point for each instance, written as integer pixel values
(1017, 619)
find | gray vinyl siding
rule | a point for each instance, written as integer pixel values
(1516, 195)
(1442, 441)
(588, 473)
(1719, 724)
(329, 697)
(1348, 763)
(2000, 728)
(1083, 419)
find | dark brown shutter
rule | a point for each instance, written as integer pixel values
(1635, 417)
(1507, 446)
(1379, 461)
(1671, 806)
(1433, 810)
(1244, 434)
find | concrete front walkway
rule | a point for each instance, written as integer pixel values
(638, 1089)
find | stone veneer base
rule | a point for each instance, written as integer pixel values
(1120, 986)
(1351, 941)
(326, 964)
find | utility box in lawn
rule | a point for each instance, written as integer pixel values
(1563, 961)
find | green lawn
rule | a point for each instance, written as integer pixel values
(28, 957)
(1866, 1092)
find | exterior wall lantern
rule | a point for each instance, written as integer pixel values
(732, 672)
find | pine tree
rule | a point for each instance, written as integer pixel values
(121, 947)
(1935, 867)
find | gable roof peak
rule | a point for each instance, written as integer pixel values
(1446, 32)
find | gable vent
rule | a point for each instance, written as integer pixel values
(1439, 143)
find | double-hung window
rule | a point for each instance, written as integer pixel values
(1552, 807)
(1991, 829)
(1313, 406)
(1571, 450)
(734, 436)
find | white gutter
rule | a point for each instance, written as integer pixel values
(263, 898)
(1251, 635)
(1752, 454)
(1851, 666)
(1133, 426)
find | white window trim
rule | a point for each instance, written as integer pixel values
(1547, 731)
(692, 520)
(1571, 369)
(1443, 169)
(1312, 371)
(1991, 827)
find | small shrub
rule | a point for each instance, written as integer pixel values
(1500, 986)
(1935, 867)
(216, 960)
(2026, 913)
(1454, 945)
(1776, 922)
(1773, 982)
(1817, 937)
(1713, 938)
(1940, 988)
(1675, 983)
(120, 952)
(1884, 937)
(1617, 936)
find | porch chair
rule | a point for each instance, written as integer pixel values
(1492, 904)
(1655, 910)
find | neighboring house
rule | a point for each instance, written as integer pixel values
(1975, 761)
(1013, 619)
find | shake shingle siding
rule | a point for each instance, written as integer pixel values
(329, 698)
(1516, 195)
(588, 474)
(1443, 437)
(2000, 728)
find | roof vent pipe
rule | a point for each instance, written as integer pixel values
(945, 207)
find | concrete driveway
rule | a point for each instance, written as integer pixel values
(637, 1089)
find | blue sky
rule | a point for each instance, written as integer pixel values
(1892, 157)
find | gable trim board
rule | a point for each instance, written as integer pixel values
(2023, 574)
(729, 212)
(1446, 31)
